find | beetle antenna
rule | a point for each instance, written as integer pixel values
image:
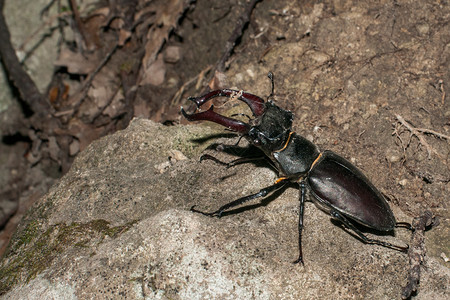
(270, 75)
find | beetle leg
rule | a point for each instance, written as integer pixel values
(300, 221)
(262, 193)
(404, 225)
(362, 236)
(232, 163)
(210, 157)
(270, 75)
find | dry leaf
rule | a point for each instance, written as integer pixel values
(156, 73)
(85, 133)
(124, 35)
(218, 81)
(75, 62)
(166, 20)
(116, 107)
(74, 147)
(53, 148)
(172, 54)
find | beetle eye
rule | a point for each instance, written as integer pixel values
(257, 142)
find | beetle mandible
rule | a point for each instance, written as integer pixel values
(335, 184)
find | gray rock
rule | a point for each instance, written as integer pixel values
(118, 226)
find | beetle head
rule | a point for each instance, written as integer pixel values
(270, 131)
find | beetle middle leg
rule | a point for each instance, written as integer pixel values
(302, 186)
(335, 214)
(262, 193)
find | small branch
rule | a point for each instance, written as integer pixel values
(417, 132)
(236, 35)
(441, 87)
(80, 26)
(47, 7)
(232, 40)
(199, 77)
(417, 251)
(28, 90)
(435, 133)
(82, 92)
(41, 28)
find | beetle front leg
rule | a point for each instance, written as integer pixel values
(232, 163)
(235, 162)
(335, 214)
(262, 193)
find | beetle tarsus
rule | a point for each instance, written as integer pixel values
(210, 157)
(262, 193)
(363, 237)
(404, 225)
(299, 260)
(217, 213)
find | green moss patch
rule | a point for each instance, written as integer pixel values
(34, 251)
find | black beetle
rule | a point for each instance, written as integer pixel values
(337, 186)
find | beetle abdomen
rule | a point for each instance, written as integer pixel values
(337, 184)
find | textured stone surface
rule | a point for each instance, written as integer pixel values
(118, 225)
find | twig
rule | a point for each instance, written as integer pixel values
(102, 108)
(28, 90)
(441, 87)
(417, 251)
(84, 89)
(439, 135)
(176, 98)
(417, 132)
(129, 85)
(40, 28)
(79, 24)
(47, 7)
(234, 37)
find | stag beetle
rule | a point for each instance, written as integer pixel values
(336, 185)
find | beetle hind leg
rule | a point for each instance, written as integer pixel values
(302, 187)
(262, 193)
(404, 225)
(363, 237)
(217, 213)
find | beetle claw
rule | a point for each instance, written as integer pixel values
(404, 225)
(217, 214)
(298, 260)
